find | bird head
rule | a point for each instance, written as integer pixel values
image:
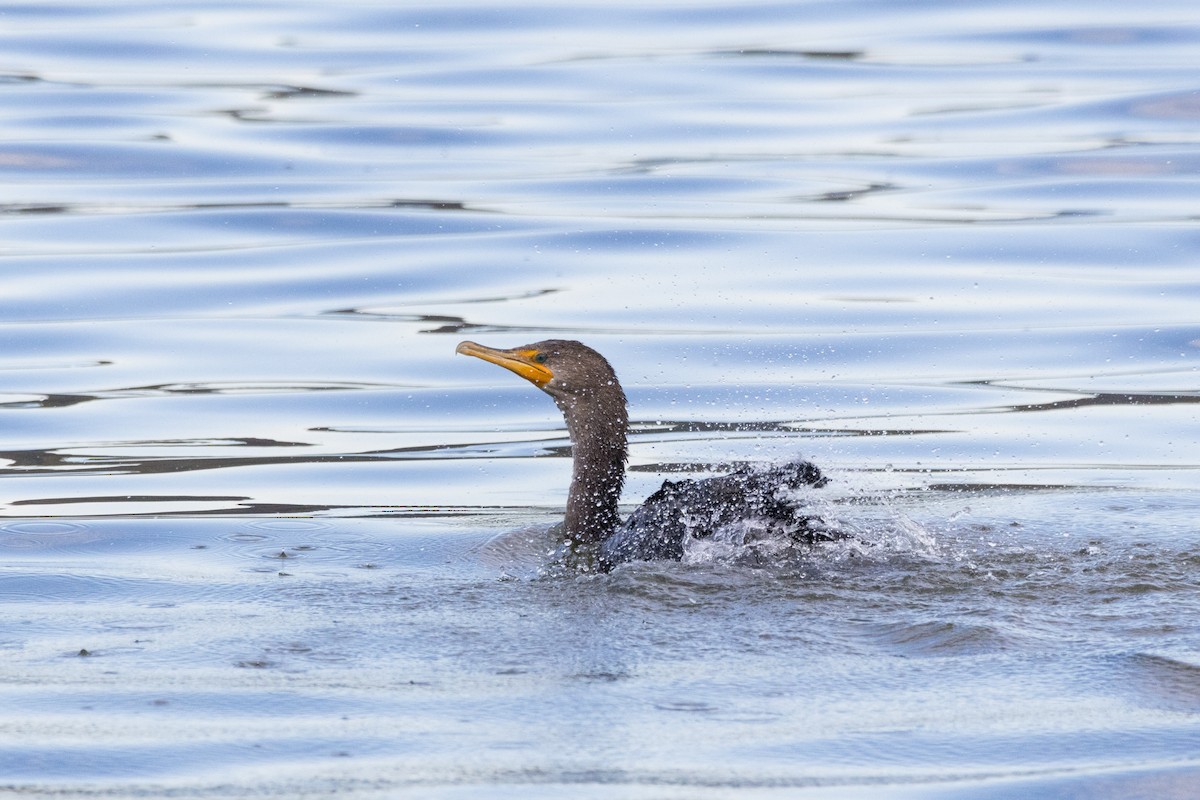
(565, 369)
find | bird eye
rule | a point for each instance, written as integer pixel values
(540, 358)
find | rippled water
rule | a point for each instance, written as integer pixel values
(264, 535)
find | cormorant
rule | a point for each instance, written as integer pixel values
(587, 392)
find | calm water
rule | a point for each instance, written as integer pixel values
(264, 535)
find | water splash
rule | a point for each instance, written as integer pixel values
(865, 525)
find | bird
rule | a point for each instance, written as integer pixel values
(585, 387)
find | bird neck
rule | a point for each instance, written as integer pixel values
(597, 426)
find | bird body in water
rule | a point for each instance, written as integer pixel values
(586, 390)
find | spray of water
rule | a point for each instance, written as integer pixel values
(863, 524)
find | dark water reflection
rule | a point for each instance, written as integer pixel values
(263, 535)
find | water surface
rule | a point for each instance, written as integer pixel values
(264, 535)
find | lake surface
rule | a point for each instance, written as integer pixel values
(265, 535)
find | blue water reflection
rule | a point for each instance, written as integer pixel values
(264, 534)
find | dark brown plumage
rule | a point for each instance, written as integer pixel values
(592, 402)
